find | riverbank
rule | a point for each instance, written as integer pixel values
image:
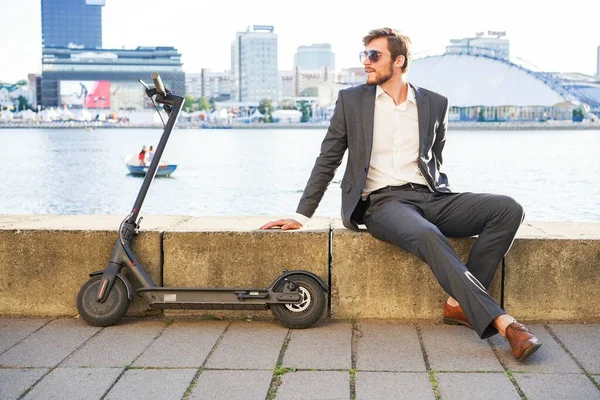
(453, 125)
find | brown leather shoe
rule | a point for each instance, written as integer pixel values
(522, 342)
(455, 316)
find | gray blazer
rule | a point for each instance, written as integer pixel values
(351, 129)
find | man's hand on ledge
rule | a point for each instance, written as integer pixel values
(284, 224)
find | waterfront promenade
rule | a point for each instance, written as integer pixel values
(163, 358)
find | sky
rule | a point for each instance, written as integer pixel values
(562, 38)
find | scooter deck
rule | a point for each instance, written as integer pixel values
(217, 298)
(208, 306)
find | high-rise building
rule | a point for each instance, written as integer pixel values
(72, 23)
(315, 56)
(254, 64)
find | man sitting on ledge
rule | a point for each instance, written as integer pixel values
(395, 133)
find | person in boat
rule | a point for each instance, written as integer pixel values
(394, 133)
(150, 154)
(142, 157)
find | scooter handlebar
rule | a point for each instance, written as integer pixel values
(158, 84)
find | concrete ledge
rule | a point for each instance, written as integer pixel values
(375, 279)
(233, 252)
(44, 260)
(551, 273)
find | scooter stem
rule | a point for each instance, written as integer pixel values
(122, 255)
(176, 103)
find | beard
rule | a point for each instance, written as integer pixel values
(381, 77)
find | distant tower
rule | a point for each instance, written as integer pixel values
(72, 23)
(254, 64)
(315, 56)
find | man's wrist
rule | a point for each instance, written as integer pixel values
(303, 219)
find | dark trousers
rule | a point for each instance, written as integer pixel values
(419, 222)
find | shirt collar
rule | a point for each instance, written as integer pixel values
(410, 96)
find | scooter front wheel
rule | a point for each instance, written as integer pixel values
(102, 314)
(308, 311)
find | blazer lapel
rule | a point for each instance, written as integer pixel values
(424, 112)
(368, 120)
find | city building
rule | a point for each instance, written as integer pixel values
(287, 88)
(351, 76)
(491, 44)
(35, 87)
(306, 79)
(254, 64)
(193, 84)
(106, 78)
(216, 85)
(72, 23)
(209, 84)
(598, 64)
(314, 57)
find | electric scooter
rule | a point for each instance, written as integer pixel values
(296, 298)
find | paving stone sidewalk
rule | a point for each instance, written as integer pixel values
(209, 359)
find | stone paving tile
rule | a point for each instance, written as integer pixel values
(388, 346)
(230, 384)
(547, 359)
(116, 346)
(583, 341)
(393, 385)
(304, 385)
(476, 386)
(556, 386)
(249, 345)
(458, 348)
(182, 344)
(325, 346)
(163, 384)
(14, 382)
(14, 329)
(74, 383)
(50, 345)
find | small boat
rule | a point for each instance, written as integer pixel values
(163, 170)
(131, 162)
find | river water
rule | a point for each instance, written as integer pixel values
(245, 172)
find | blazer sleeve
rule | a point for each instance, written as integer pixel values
(440, 135)
(332, 152)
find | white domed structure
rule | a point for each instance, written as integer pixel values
(486, 88)
(469, 80)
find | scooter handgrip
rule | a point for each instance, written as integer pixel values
(158, 84)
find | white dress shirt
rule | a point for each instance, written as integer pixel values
(395, 145)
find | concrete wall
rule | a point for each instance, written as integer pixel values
(374, 279)
(551, 273)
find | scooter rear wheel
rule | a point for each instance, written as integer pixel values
(102, 314)
(306, 313)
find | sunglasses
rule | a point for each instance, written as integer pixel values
(372, 55)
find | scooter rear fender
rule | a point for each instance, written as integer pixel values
(300, 272)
